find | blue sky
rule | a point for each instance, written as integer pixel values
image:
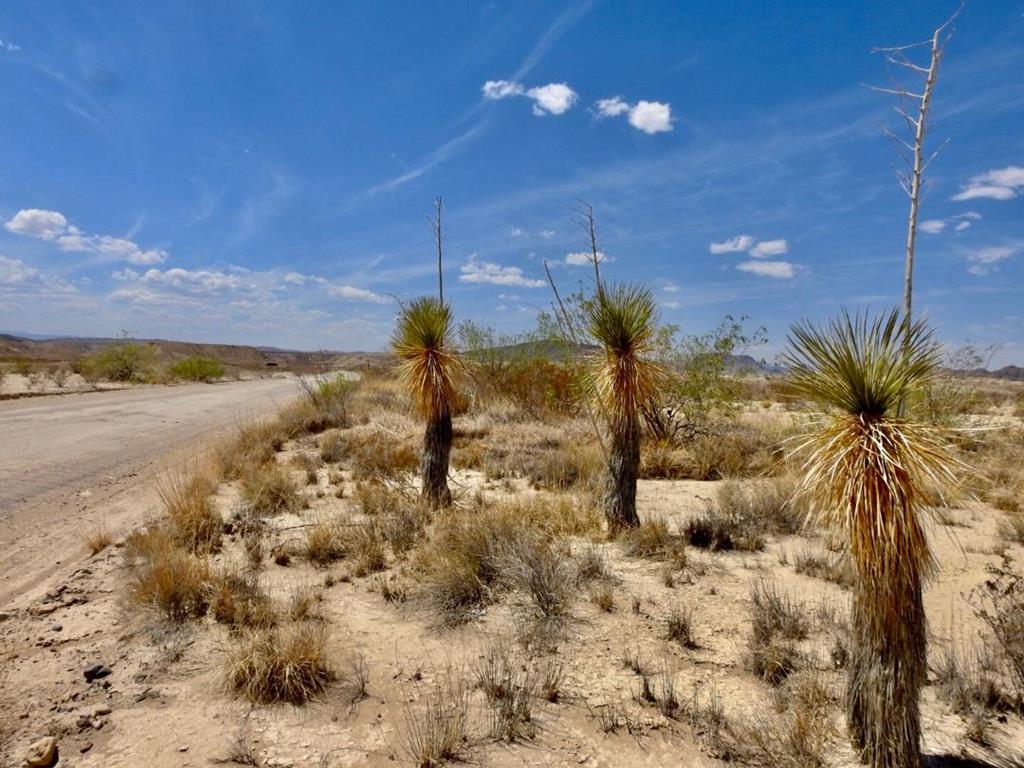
(262, 172)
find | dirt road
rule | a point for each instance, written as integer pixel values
(71, 464)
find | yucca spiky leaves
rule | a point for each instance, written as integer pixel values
(868, 473)
(623, 320)
(429, 366)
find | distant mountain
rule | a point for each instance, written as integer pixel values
(1009, 372)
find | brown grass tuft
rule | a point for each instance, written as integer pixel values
(269, 490)
(187, 498)
(164, 577)
(280, 666)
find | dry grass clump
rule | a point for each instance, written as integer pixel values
(835, 568)
(509, 684)
(561, 467)
(592, 565)
(603, 596)
(999, 459)
(777, 623)
(436, 729)
(652, 539)
(310, 465)
(286, 665)
(239, 600)
(554, 515)
(97, 540)
(366, 547)
(269, 490)
(378, 455)
(741, 451)
(162, 576)
(969, 679)
(665, 460)
(679, 625)
(799, 734)
(765, 505)
(331, 446)
(187, 498)
(253, 444)
(325, 542)
(473, 554)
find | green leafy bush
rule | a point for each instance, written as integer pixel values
(197, 369)
(119, 362)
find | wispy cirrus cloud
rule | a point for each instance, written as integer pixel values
(737, 244)
(53, 226)
(984, 260)
(998, 184)
(959, 223)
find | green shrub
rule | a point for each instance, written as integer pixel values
(197, 369)
(119, 362)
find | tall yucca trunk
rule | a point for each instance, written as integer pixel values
(623, 468)
(437, 448)
(885, 678)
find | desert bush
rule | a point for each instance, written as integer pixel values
(59, 375)
(187, 498)
(562, 467)
(119, 362)
(603, 596)
(162, 576)
(530, 564)
(652, 539)
(718, 529)
(592, 565)
(324, 405)
(554, 515)
(269, 490)
(332, 447)
(404, 527)
(436, 730)
(286, 665)
(378, 455)
(776, 622)
(238, 600)
(366, 547)
(37, 380)
(999, 602)
(197, 368)
(665, 460)
(967, 678)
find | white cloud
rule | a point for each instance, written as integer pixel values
(998, 184)
(150, 298)
(200, 279)
(611, 107)
(474, 271)
(651, 117)
(550, 99)
(501, 89)
(295, 278)
(584, 258)
(671, 304)
(547, 234)
(7, 45)
(932, 226)
(732, 245)
(352, 293)
(777, 269)
(670, 287)
(14, 271)
(517, 232)
(647, 116)
(53, 226)
(553, 98)
(961, 226)
(33, 222)
(982, 260)
(769, 248)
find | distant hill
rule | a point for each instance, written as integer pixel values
(66, 349)
(1009, 372)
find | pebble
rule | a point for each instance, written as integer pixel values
(42, 753)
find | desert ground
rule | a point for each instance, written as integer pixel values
(163, 569)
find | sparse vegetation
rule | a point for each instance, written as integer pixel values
(198, 368)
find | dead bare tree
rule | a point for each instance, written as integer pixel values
(435, 226)
(913, 106)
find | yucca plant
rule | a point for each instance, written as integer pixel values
(622, 320)
(429, 367)
(868, 472)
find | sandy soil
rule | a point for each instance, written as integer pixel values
(70, 464)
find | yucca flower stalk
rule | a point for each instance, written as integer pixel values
(867, 472)
(622, 320)
(429, 367)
